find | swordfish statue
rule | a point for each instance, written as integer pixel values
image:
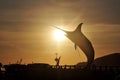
(81, 41)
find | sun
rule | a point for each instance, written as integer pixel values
(59, 35)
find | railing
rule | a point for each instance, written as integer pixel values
(63, 66)
(112, 68)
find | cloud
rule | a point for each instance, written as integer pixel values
(97, 11)
(92, 11)
(17, 4)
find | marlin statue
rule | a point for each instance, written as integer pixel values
(80, 40)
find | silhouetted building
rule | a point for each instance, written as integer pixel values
(38, 66)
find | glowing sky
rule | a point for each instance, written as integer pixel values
(26, 29)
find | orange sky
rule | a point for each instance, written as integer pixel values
(26, 29)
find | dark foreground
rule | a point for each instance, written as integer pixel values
(46, 72)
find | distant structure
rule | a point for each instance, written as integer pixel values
(19, 61)
(80, 40)
(57, 60)
(0, 66)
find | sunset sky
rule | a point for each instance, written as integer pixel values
(27, 29)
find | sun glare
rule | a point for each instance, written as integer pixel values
(59, 35)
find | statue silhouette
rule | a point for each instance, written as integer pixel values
(80, 40)
(57, 60)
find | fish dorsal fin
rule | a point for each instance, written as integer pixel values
(78, 28)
